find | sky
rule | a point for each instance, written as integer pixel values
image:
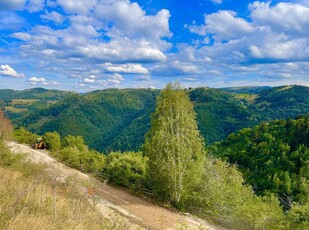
(85, 45)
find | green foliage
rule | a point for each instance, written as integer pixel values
(52, 140)
(223, 198)
(126, 169)
(174, 146)
(298, 217)
(24, 136)
(119, 118)
(273, 157)
(72, 141)
(76, 154)
(70, 156)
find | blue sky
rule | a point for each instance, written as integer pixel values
(84, 45)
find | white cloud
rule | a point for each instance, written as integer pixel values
(21, 36)
(41, 81)
(121, 51)
(273, 33)
(77, 6)
(283, 17)
(125, 68)
(35, 5)
(89, 80)
(112, 80)
(11, 4)
(11, 21)
(130, 20)
(54, 17)
(37, 79)
(6, 70)
(225, 25)
(174, 68)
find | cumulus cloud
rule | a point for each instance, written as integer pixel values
(224, 25)
(98, 32)
(273, 33)
(6, 70)
(125, 68)
(89, 80)
(41, 81)
(77, 6)
(283, 17)
(130, 20)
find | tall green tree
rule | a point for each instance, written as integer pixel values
(174, 146)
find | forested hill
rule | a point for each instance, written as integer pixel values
(117, 119)
(273, 157)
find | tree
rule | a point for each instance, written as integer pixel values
(53, 141)
(174, 146)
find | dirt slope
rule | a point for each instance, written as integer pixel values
(137, 211)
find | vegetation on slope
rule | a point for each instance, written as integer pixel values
(119, 118)
(20, 103)
(221, 195)
(32, 198)
(274, 157)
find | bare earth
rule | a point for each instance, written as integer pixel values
(135, 210)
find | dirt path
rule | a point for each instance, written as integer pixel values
(137, 211)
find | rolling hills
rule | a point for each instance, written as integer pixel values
(117, 119)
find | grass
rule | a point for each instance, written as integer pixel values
(24, 101)
(12, 109)
(31, 199)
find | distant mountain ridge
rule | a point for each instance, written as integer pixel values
(117, 119)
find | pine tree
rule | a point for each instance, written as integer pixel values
(174, 146)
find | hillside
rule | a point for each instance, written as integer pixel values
(18, 103)
(274, 157)
(33, 197)
(117, 119)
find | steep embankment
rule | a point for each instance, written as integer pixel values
(115, 200)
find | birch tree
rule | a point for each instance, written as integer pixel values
(174, 146)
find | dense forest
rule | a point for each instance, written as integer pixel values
(274, 157)
(119, 118)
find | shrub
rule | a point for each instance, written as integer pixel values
(52, 140)
(126, 169)
(24, 136)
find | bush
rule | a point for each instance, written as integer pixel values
(52, 140)
(70, 156)
(126, 169)
(92, 161)
(224, 198)
(24, 136)
(298, 217)
(74, 141)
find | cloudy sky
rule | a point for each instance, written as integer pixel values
(83, 45)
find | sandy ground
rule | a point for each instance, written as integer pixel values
(109, 199)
